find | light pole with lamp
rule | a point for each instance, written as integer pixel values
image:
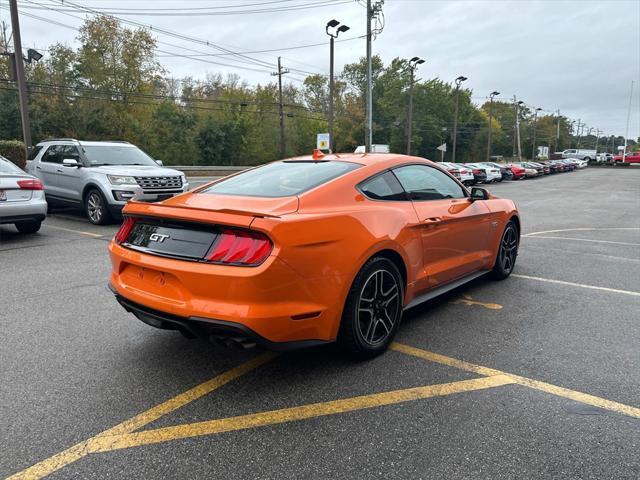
(459, 80)
(491, 97)
(413, 64)
(332, 24)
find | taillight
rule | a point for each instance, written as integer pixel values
(240, 247)
(31, 184)
(476, 171)
(125, 229)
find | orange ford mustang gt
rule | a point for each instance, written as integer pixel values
(307, 251)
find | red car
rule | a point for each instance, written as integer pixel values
(517, 170)
(631, 157)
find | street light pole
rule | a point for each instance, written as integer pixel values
(535, 124)
(491, 96)
(20, 77)
(557, 132)
(343, 28)
(459, 80)
(413, 65)
(517, 132)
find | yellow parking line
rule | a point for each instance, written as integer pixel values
(314, 410)
(467, 300)
(80, 450)
(80, 232)
(524, 381)
(581, 285)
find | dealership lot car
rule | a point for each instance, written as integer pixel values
(306, 251)
(100, 177)
(493, 173)
(22, 200)
(464, 174)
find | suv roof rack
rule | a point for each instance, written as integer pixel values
(58, 140)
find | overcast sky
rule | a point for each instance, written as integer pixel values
(576, 56)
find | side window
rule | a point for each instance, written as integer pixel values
(33, 153)
(71, 152)
(426, 183)
(53, 154)
(383, 187)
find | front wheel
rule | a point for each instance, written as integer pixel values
(373, 309)
(95, 207)
(507, 252)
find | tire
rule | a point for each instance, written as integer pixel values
(29, 226)
(507, 252)
(95, 207)
(373, 309)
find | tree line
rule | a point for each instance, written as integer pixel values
(113, 87)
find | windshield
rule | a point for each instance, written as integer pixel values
(281, 179)
(8, 168)
(116, 155)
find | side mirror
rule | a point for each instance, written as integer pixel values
(159, 162)
(70, 162)
(479, 194)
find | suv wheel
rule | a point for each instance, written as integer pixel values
(95, 206)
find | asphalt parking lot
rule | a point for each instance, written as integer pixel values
(537, 376)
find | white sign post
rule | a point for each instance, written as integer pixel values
(442, 148)
(323, 141)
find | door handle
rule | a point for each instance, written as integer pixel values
(38, 168)
(432, 220)
(59, 171)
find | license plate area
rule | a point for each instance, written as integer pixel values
(189, 242)
(3, 196)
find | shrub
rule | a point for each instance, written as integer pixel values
(14, 151)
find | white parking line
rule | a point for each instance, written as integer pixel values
(581, 285)
(585, 229)
(584, 240)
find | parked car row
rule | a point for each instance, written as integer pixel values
(489, 172)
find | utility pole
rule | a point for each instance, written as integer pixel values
(491, 95)
(557, 132)
(281, 71)
(535, 124)
(18, 65)
(413, 65)
(368, 136)
(580, 130)
(459, 81)
(372, 13)
(597, 140)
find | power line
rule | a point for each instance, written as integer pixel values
(204, 11)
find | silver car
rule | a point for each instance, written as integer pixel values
(22, 199)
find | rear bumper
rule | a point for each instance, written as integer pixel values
(269, 303)
(206, 327)
(33, 210)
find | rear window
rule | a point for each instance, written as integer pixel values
(8, 168)
(281, 179)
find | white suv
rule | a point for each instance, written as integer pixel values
(100, 177)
